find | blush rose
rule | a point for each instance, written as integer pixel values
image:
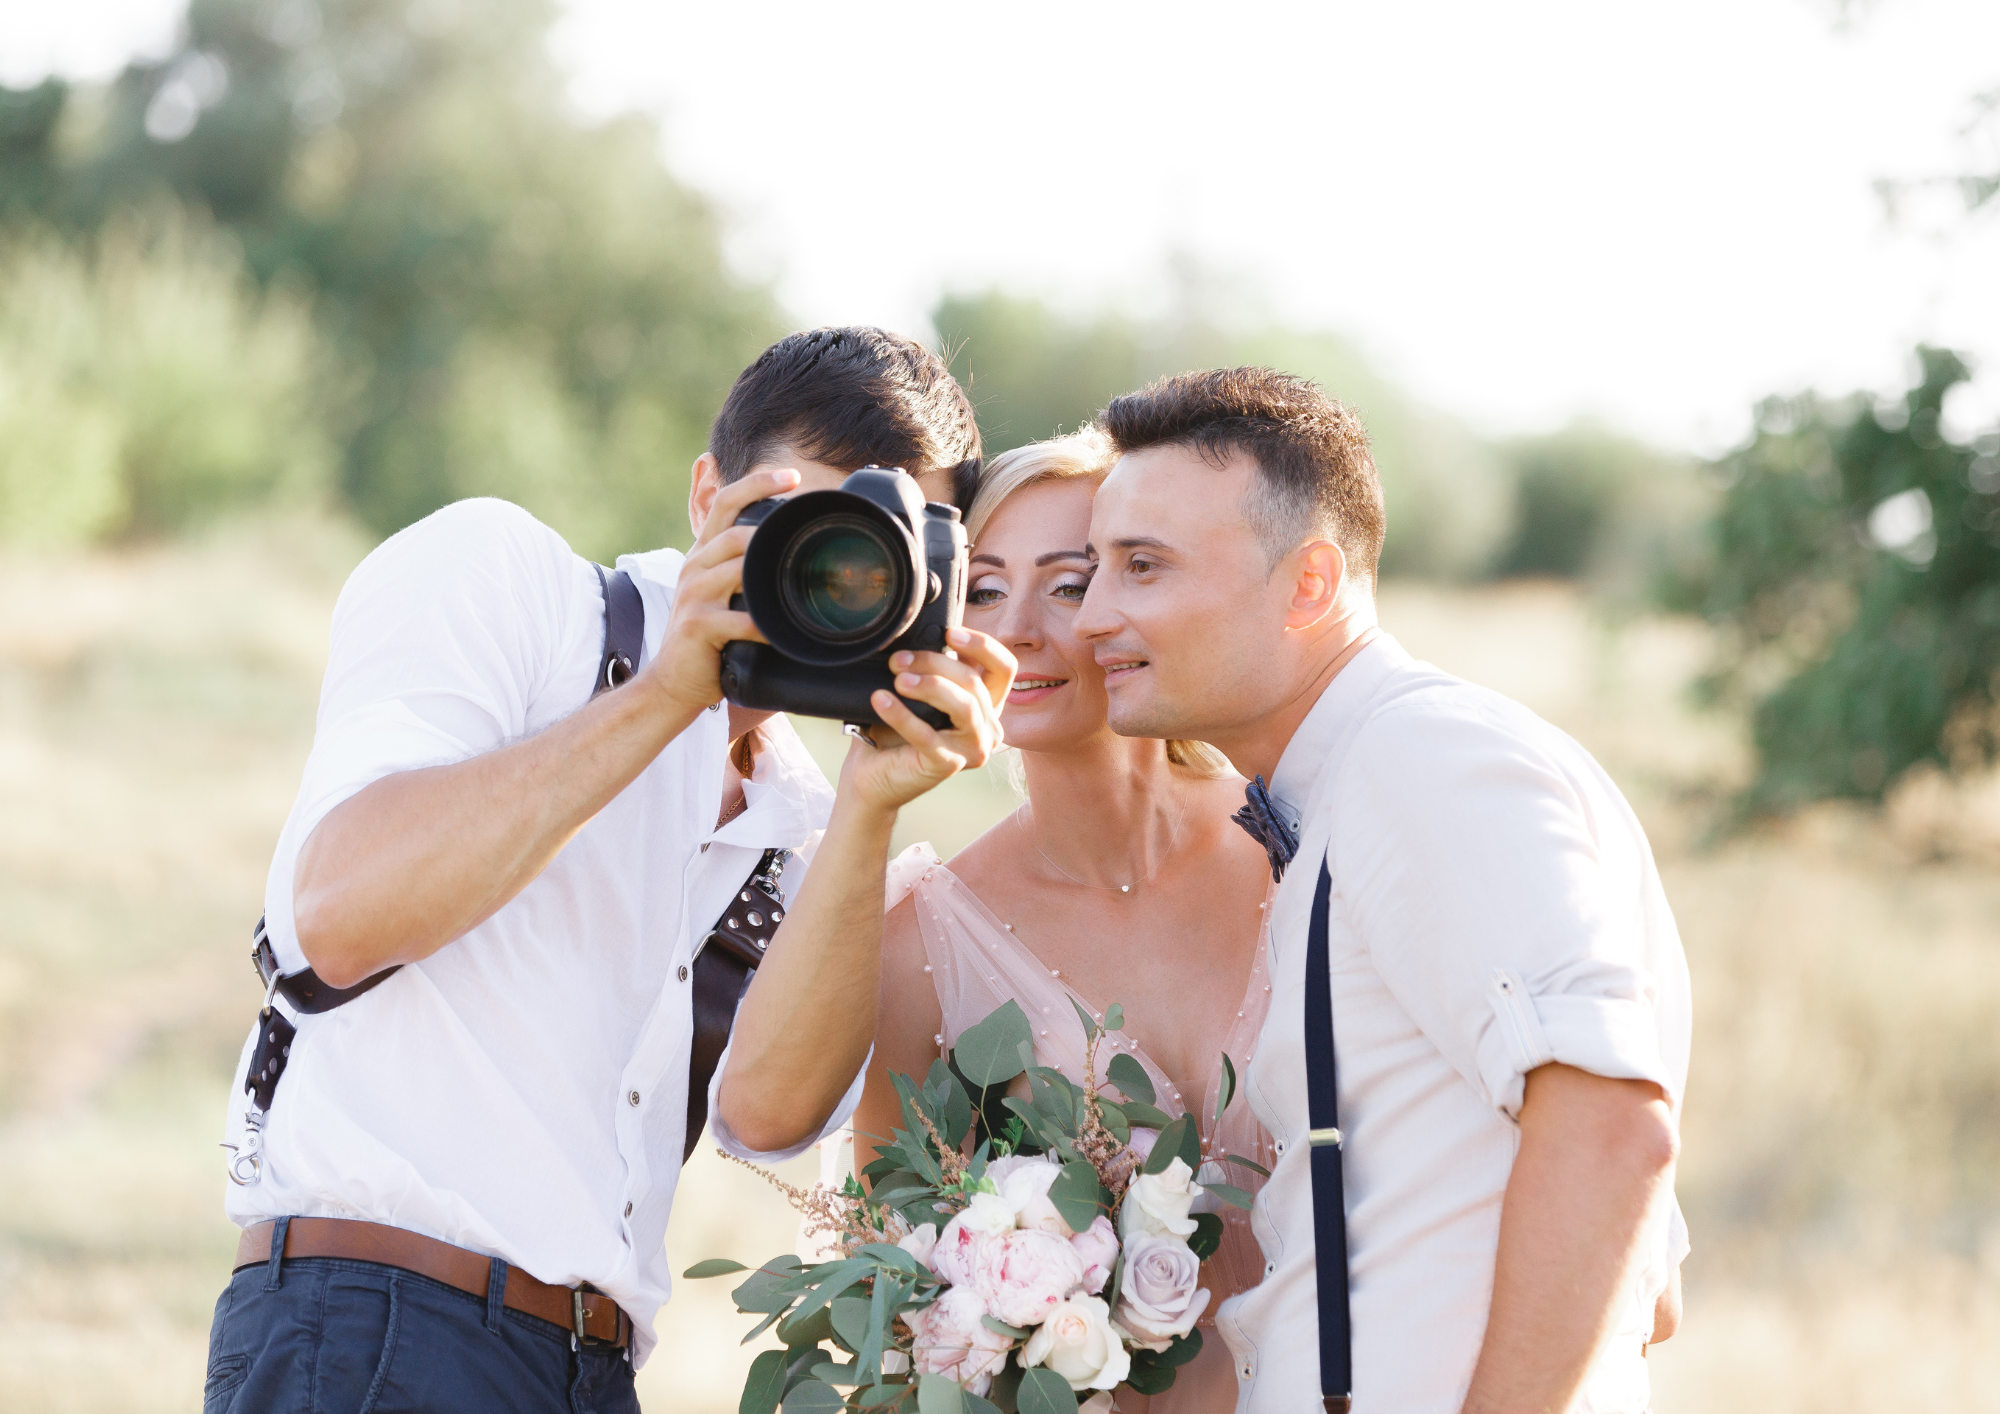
(1160, 1295)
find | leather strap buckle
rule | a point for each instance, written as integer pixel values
(580, 1320)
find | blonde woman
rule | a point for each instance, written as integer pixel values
(1120, 879)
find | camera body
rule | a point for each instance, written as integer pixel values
(838, 581)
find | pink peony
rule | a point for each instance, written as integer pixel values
(953, 1258)
(952, 1340)
(1161, 1295)
(1097, 1247)
(1024, 1273)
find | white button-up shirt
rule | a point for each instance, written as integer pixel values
(1495, 907)
(522, 1091)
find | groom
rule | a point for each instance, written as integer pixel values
(1509, 1012)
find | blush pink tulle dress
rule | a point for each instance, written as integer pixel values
(976, 965)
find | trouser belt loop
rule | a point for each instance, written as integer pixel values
(274, 1269)
(496, 1293)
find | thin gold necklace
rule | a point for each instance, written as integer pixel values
(1026, 817)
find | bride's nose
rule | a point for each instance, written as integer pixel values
(1020, 627)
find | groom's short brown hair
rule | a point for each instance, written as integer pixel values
(1315, 474)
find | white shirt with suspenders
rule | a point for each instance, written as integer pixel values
(523, 1091)
(1490, 905)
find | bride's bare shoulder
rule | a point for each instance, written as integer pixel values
(999, 854)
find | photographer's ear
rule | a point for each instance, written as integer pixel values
(703, 488)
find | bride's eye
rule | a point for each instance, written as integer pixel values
(1071, 591)
(983, 593)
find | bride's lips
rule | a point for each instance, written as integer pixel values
(1030, 688)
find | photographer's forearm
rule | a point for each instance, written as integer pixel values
(418, 858)
(809, 1018)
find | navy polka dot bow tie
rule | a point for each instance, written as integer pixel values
(1260, 817)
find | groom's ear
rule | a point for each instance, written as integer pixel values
(703, 487)
(1318, 571)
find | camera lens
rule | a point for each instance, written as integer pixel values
(840, 579)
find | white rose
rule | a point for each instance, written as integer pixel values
(1076, 1341)
(1159, 1202)
(920, 1242)
(1025, 1186)
(988, 1215)
(1161, 1296)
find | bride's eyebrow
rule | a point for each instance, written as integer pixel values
(1054, 555)
(993, 560)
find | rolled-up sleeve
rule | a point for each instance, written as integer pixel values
(726, 1137)
(1502, 913)
(440, 641)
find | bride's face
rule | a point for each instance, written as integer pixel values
(1029, 573)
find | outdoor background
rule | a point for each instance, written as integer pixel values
(1678, 340)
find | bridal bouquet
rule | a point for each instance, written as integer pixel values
(1012, 1253)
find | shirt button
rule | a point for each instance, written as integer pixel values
(1270, 1268)
(1279, 1146)
(633, 1097)
(1244, 1372)
(628, 1210)
(683, 974)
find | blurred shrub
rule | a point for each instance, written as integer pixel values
(1856, 577)
(1592, 505)
(1032, 373)
(146, 384)
(525, 305)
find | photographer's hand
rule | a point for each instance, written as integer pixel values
(688, 670)
(892, 768)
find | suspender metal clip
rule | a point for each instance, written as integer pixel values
(1320, 1138)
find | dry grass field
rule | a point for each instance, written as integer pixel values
(1842, 1169)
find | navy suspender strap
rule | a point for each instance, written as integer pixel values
(1336, 1332)
(624, 639)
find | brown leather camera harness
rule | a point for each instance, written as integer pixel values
(724, 962)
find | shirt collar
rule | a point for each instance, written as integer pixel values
(1324, 732)
(786, 800)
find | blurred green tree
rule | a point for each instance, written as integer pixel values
(1595, 505)
(1031, 373)
(531, 307)
(1856, 581)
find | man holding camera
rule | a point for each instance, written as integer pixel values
(456, 1198)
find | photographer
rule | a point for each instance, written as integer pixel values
(458, 1197)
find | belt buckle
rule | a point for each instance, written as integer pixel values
(579, 1336)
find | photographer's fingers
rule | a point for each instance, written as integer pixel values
(731, 499)
(920, 735)
(996, 664)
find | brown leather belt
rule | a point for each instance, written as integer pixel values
(590, 1316)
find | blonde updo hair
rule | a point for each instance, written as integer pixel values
(1085, 454)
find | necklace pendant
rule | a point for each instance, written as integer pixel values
(1124, 888)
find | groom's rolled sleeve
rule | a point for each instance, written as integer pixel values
(1502, 917)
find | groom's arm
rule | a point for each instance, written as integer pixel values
(1594, 1157)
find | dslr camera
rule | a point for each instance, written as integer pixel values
(838, 581)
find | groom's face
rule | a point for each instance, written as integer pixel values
(1182, 614)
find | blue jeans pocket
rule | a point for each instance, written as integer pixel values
(225, 1375)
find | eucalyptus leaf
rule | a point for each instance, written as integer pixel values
(850, 1321)
(1184, 1349)
(1044, 1392)
(1115, 1121)
(989, 1053)
(1005, 1386)
(1207, 1235)
(876, 1396)
(807, 1330)
(1228, 1090)
(1139, 1113)
(1000, 1327)
(828, 1373)
(938, 1395)
(713, 1267)
(890, 1255)
(1089, 1021)
(1077, 1195)
(1114, 1017)
(1148, 1379)
(765, 1385)
(760, 1291)
(1174, 1142)
(868, 1360)
(975, 1405)
(761, 1327)
(1229, 1193)
(1130, 1077)
(812, 1397)
(1250, 1164)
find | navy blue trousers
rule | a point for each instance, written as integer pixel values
(320, 1334)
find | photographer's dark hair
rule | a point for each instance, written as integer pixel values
(1315, 474)
(850, 397)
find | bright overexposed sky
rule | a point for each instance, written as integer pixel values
(1653, 214)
